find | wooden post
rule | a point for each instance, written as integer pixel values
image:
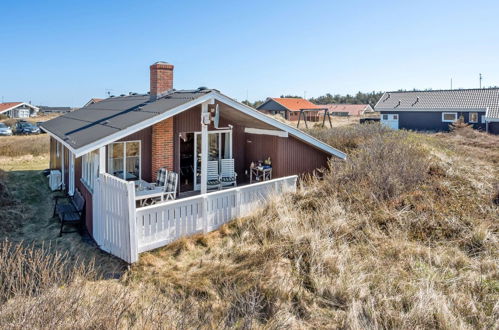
(204, 146)
(132, 225)
(102, 160)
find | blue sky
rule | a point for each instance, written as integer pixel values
(64, 53)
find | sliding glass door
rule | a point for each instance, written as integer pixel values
(219, 147)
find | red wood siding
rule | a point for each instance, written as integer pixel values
(297, 157)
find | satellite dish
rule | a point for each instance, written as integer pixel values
(216, 120)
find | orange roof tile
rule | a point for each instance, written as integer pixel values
(8, 105)
(296, 104)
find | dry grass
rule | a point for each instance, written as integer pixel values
(15, 146)
(402, 235)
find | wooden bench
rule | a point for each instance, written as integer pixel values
(72, 212)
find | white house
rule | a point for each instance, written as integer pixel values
(18, 109)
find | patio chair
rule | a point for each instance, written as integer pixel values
(213, 175)
(228, 176)
(171, 185)
(169, 181)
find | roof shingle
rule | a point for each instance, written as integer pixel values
(438, 100)
(296, 104)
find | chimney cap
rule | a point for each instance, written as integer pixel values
(161, 63)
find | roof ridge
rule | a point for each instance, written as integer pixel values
(447, 90)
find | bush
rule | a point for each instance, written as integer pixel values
(349, 137)
(382, 168)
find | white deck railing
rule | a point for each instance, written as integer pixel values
(157, 225)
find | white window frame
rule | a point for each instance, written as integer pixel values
(477, 117)
(124, 157)
(90, 169)
(449, 113)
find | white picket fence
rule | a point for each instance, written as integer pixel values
(124, 231)
(113, 211)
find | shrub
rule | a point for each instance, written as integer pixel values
(350, 137)
(382, 168)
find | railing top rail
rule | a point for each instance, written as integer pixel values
(216, 193)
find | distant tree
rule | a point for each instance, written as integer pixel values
(255, 104)
(359, 98)
(290, 97)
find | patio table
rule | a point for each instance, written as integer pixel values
(145, 191)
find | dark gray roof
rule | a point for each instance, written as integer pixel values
(438, 100)
(101, 119)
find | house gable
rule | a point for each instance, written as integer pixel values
(272, 105)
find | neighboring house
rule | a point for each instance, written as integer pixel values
(51, 110)
(436, 110)
(133, 136)
(18, 109)
(348, 109)
(92, 101)
(290, 107)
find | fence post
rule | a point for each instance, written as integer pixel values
(132, 223)
(238, 202)
(205, 213)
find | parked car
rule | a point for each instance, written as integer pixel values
(5, 130)
(369, 120)
(23, 127)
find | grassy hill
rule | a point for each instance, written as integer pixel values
(404, 234)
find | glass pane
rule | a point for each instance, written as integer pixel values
(117, 150)
(133, 168)
(132, 149)
(449, 116)
(213, 146)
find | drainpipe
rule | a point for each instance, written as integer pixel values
(205, 120)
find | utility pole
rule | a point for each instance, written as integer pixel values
(451, 83)
(480, 79)
(305, 95)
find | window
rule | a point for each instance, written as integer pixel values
(395, 117)
(473, 117)
(57, 149)
(449, 117)
(385, 117)
(90, 168)
(124, 160)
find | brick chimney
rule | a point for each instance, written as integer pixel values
(161, 78)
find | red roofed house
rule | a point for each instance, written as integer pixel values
(289, 108)
(348, 109)
(18, 109)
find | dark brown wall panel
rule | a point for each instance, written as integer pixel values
(297, 157)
